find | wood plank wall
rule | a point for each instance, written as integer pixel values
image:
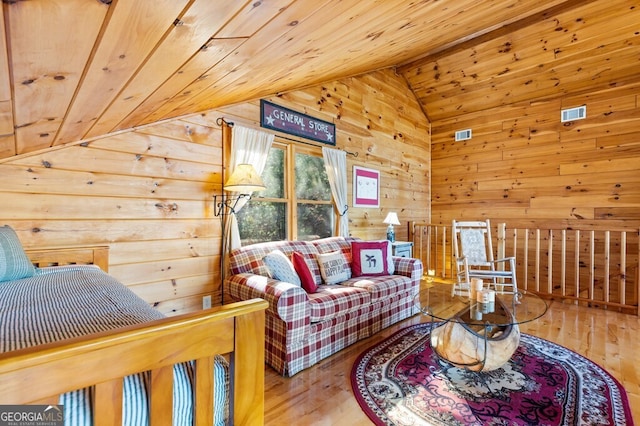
(527, 169)
(147, 193)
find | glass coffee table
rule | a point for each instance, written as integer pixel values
(477, 336)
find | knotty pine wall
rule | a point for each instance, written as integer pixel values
(147, 193)
(526, 168)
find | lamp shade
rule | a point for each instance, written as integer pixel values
(244, 179)
(391, 219)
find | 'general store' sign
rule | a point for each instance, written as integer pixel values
(288, 121)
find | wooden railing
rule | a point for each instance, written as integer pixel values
(433, 246)
(593, 267)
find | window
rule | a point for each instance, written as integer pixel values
(297, 203)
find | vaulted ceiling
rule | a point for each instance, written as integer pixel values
(76, 69)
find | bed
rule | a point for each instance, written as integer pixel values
(131, 349)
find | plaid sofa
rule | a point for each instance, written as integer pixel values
(302, 328)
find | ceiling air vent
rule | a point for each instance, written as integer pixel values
(577, 113)
(463, 135)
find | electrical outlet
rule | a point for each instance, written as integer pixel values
(206, 302)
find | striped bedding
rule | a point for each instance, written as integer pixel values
(69, 301)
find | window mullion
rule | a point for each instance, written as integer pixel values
(291, 193)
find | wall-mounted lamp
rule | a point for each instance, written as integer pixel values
(391, 219)
(244, 180)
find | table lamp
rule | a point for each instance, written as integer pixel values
(391, 219)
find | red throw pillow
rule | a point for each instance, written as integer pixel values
(369, 258)
(303, 271)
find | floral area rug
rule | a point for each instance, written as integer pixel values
(401, 381)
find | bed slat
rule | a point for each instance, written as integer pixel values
(161, 405)
(107, 403)
(204, 393)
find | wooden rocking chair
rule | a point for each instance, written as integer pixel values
(473, 256)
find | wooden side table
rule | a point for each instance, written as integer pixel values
(402, 249)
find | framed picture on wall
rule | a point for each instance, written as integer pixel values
(366, 187)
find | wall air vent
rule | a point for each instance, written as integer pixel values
(463, 135)
(570, 114)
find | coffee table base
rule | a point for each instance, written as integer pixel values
(465, 348)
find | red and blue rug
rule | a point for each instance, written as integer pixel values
(401, 381)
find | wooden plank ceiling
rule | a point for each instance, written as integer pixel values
(76, 69)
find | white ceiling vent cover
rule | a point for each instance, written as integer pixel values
(570, 114)
(463, 135)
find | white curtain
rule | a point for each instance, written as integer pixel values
(335, 163)
(248, 146)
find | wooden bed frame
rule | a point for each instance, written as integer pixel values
(94, 255)
(38, 375)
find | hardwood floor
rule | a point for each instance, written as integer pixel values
(321, 395)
